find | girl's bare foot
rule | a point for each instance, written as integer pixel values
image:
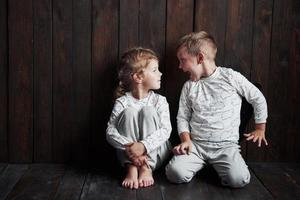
(131, 179)
(145, 176)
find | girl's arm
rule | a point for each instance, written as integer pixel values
(112, 134)
(162, 134)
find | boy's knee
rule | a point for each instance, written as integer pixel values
(236, 179)
(176, 174)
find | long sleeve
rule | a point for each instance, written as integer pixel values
(253, 95)
(162, 134)
(184, 111)
(112, 135)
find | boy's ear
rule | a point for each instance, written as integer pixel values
(200, 58)
(137, 78)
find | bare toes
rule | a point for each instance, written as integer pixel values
(141, 183)
(135, 185)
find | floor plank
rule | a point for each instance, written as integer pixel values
(72, 184)
(194, 190)
(276, 180)
(254, 190)
(207, 180)
(149, 193)
(213, 183)
(2, 167)
(101, 185)
(152, 192)
(39, 182)
(215, 191)
(9, 177)
(292, 170)
(52, 181)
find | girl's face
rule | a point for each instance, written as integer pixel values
(152, 76)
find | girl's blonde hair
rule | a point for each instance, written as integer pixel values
(134, 60)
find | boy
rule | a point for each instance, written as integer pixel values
(208, 117)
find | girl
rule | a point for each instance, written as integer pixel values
(139, 125)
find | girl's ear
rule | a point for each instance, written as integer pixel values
(200, 58)
(137, 78)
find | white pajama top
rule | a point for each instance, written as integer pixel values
(156, 138)
(209, 109)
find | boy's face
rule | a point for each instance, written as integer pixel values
(187, 62)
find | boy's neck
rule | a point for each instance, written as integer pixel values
(209, 68)
(205, 70)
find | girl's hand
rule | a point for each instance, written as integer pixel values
(135, 149)
(183, 148)
(139, 161)
(257, 135)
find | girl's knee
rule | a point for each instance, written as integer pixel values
(148, 111)
(130, 112)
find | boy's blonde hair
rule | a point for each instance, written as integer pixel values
(134, 60)
(199, 42)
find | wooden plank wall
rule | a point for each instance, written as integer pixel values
(58, 68)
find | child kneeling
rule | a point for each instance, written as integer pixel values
(208, 117)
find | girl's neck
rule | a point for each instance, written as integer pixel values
(139, 93)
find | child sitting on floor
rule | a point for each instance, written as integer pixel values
(139, 125)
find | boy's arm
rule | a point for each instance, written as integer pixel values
(254, 96)
(258, 134)
(185, 147)
(183, 120)
(184, 111)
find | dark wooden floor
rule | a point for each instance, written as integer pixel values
(52, 181)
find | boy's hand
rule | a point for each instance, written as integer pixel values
(135, 149)
(257, 135)
(183, 148)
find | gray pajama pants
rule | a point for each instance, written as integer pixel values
(136, 125)
(224, 157)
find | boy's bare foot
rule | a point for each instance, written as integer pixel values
(131, 179)
(145, 176)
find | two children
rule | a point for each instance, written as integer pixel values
(208, 117)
